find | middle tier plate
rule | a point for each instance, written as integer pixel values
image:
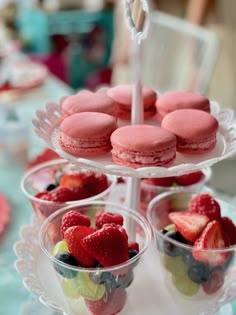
(47, 124)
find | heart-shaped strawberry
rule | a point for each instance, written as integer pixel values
(107, 245)
(74, 236)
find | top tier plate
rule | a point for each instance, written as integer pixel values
(47, 123)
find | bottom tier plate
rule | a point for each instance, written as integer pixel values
(147, 295)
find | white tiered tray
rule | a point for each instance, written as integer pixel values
(147, 295)
(47, 124)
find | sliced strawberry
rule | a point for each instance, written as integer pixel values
(189, 179)
(189, 225)
(205, 204)
(107, 245)
(97, 183)
(74, 218)
(103, 217)
(160, 181)
(212, 237)
(111, 303)
(60, 194)
(76, 178)
(74, 236)
(229, 228)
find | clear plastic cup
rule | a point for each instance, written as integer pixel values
(39, 177)
(196, 287)
(150, 191)
(101, 291)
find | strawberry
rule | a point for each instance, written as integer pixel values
(81, 193)
(189, 179)
(103, 217)
(60, 194)
(73, 218)
(189, 225)
(160, 181)
(42, 194)
(215, 282)
(212, 237)
(205, 204)
(76, 179)
(74, 236)
(97, 183)
(107, 245)
(229, 228)
(111, 303)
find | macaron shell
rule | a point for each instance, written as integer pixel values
(87, 101)
(142, 138)
(195, 130)
(176, 100)
(122, 94)
(190, 123)
(88, 125)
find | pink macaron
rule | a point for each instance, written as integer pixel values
(172, 101)
(87, 101)
(87, 133)
(195, 130)
(143, 145)
(122, 95)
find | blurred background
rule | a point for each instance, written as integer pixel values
(86, 43)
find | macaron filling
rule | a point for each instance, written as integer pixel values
(150, 158)
(205, 145)
(85, 143)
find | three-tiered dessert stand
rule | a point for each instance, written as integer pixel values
(46, 126)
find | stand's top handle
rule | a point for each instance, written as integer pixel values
(136, 15)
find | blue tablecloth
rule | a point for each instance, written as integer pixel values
(13, 295)
(14, 298)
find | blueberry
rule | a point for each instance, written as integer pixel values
(187, 257)
(51, 187)
(132, 253)
(170, 248)
(199, 272)
(106, 278)
(228, 262)
(66, 258)
(125, 281)
(164, 231)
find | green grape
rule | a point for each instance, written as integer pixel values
(87, 288)
(174, 264)
(60, 247)
(70, 289)
(170, 227)
(185, 285)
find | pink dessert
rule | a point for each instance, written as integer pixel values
(122, 95)
(143, 145)
(195, 130)
(172, 101)
(86, 101)
(87, 133)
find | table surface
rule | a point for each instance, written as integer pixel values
(14, 298)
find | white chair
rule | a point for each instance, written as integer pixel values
(177, 55)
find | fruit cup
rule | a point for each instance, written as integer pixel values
(94, 254)
(191, 182)
(195, 238)
(56, 184)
